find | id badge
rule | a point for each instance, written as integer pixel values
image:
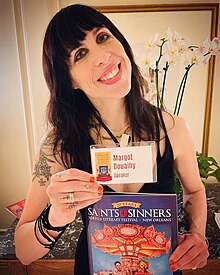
(135, 163)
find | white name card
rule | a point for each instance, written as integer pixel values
(135, 163)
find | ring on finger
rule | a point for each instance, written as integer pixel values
(194, 268)
(71, 197)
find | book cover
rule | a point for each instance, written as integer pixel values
(132, 234)
(16, 208)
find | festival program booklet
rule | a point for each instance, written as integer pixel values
(16, 208)
(132, 234)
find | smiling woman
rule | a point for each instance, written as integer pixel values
(96, 90)
(98, 63)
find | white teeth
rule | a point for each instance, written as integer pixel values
(110, 75)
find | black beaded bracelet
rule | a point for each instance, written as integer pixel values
(44, 217)
(42, 222)
(48, 245)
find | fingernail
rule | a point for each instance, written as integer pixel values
(171, 261)
(92, 179)
(100, 190)
(172, 268)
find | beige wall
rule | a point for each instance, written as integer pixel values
(23, 96)
(23, 93)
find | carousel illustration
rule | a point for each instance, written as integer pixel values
(133, 243)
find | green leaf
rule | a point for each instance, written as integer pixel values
(177, 184)
(208, 166)
(212, 161)
(216, 174)
(203, 174)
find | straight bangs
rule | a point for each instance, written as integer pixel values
(71, 27)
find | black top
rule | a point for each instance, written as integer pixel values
(164, 184)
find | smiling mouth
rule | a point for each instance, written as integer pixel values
(111, 74)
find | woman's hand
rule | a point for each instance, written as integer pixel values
(191, 253)
(69, 191)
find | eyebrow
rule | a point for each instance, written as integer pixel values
(95, 31)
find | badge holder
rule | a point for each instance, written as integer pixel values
(133, 162)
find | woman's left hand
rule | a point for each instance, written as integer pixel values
(191, 253)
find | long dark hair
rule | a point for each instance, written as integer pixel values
(69, 112)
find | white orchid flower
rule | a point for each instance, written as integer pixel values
(171, 54)
(151, 42)
(173, 36)
(216, 44)
(173, 59)
(172, 50)
(206, 59)
(184, 45)
(203, 50)
(205, 53)
(151, 52)
(212, 46)
(194, 56)
(151, 56)
(176, 42)
(145, 58)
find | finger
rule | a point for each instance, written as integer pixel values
(67, 212)
(58, 190)
(198, 262)
(82, 204)
(203, 263)
(72, 174)
(181, 238)
(189, 259)
(70, 210)
(79, 186)
(182, 248)
(179, 252)
(79, 196)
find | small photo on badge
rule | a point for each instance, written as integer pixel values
(103, 166)
(103, 173)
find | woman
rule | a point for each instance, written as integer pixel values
(96, 95)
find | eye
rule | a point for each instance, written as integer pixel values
(80, 54)
(102, 37)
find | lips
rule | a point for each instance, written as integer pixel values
(112, 75)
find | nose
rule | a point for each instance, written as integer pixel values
(102, 56)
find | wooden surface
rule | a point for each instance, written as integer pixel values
(212, 268)
(41, 267)
(66, 267)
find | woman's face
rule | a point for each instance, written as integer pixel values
(100, 67)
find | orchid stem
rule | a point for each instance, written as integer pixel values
(178, 94)
(182, 93)
(159, 100)
(157, 87)
(164, 84)
(181, 90)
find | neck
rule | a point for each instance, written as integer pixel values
(113, 114)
